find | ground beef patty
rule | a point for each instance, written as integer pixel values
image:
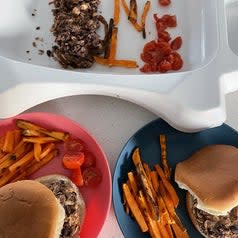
(69, 197)
(217, 226)
(74, 28)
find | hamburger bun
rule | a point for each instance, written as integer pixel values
(210, 175)
(29, 209)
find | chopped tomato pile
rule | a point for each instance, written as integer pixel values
(161, 55)
(82, 163)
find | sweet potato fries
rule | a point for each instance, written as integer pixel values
(151, 199)
(26, 149)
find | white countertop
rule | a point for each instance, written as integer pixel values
(112, 122)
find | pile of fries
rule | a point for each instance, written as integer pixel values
(26, 149)
(151, 199)
(109, 58)
(131, 13)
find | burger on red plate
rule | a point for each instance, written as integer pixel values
(51, 207)
(211, 177)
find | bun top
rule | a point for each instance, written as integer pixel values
(211, 176)
(29, 209)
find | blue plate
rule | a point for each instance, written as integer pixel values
(179, 147)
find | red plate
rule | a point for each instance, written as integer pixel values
(98, 200)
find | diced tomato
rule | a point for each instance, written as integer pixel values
(146, 68)
(153, 52)
(164, 66)
(89, 159)
(164, 2)
(178, 64)
(146, 57)
(92, 176)
(73, 161)
(160, 55)
(77, 177)
(169, 20)
(176, 43)
(149, 46)
(156, 18)
(160, 26)
(73, 145)
(164, 36)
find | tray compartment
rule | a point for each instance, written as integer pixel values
(232, 24)
(196, 21)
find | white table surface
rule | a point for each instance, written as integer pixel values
(112, 122)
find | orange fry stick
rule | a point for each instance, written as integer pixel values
(113, 46)
(169, 230)
(127, 11)
(167, 199)
(37, 151)
(119, 63)
(134, 208)
(163, 230)
(25, 159)
(178, 232)
(17, 136)
(46, 150)
(144, 16)
(133, 11)
(147, 171)
(40, 140)
(10, 158)
(133, 183)
(2, 139)
(164, 161)
(30, 132)
(8, 144)
(116, 16)
(168, 186)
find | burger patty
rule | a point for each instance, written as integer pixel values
(66, 195)
(217, 226)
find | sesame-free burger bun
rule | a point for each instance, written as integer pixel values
(211, 176)
(29, 209)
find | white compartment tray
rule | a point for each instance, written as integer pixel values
(190, 100)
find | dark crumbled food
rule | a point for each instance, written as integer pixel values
(37, 28)
(67, 197)
(217, 226)
(41, 52)
(34, 44)
(49, 53)
(27, 51)
(39, 39)
(74, 28)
